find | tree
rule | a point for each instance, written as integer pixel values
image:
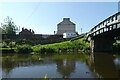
(77, 33)
(8, 27)
(0, 30)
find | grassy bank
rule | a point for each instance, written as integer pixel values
(21, 49)
(67, 46)
(8, 50)
(79, 45)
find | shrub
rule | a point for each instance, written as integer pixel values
(23, 49)
(116, 47)
(24, 41)
(3, 45)
(47, 50)
(80, 44)
(12, 44)
(7, 44)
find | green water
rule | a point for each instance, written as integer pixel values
(98, 65)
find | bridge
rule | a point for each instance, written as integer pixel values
(103, 35)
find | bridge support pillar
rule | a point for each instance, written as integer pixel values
(102, 44)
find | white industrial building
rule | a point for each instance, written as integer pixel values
(69, 35)
(66, 26)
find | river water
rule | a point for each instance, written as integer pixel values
(98, 65)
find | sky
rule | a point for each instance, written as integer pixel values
(43, 17)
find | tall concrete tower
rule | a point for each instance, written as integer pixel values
(66, 26)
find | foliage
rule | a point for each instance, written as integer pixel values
(24, 41)
(116, 47)
(8, 49)
(77, 33)
(8, 27)
(23, 49)
(47, 50)
(80, 44)
(1, 30)
(12, 44)
(62, 47)
(3, 45)
(7, 41)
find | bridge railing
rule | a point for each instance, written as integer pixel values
(112, 22)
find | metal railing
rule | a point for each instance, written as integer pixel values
(112, 22)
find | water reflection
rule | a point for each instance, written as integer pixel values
(10, 62)
(36, 66)
(65, 67)
(103, 65)
(117, 64)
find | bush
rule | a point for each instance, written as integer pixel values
(47, 50)
(116, 47)
(11, 44)
(3, 45)
(23, 49)
(7, 44)
(80, 44)
(24, 41)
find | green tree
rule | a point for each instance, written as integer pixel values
(8, 27)
(0, 30)
(77, 33)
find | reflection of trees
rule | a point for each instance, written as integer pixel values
(103, 65)
(7, 66)
(65, 67)
(10, 62)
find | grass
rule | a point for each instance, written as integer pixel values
(24, 49)
(62, 47)
(80, 44)
(7, 48)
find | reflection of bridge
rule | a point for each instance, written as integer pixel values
(102, 36)
(104, 65)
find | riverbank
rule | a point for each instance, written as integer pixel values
(80, 45)
(77, 46)
(7, 50)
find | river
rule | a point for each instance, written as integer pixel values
(97, 65)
